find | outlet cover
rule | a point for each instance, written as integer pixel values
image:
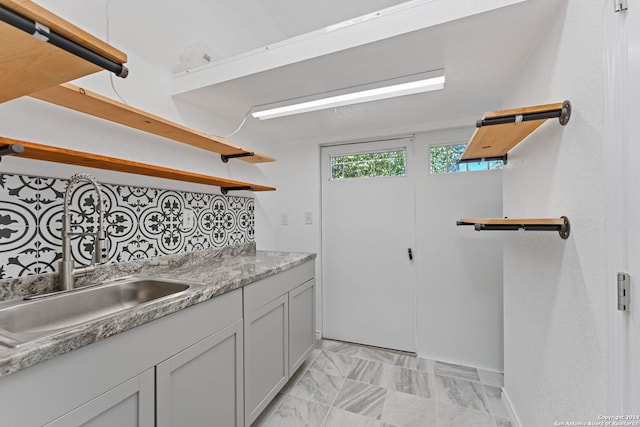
(188, 219)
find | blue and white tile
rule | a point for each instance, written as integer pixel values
(458, 371)
(371, 372)
(296, 412)
(466, 394)
(333, 363)
(455, 416)
(340, 418)
(362, 399)
(492, 378)
(413, 382)
(406, 410)
(317, 386)
(494, 400)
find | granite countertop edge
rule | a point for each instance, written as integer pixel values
(214, 275)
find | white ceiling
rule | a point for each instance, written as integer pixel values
(228, 27)
(481, 55)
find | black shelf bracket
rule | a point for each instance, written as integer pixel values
(225, 157)
(43, 33)
(564, 230)
(563, 114)
(11, 149)
(485, 159)
(225, 190)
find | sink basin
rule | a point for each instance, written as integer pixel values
(42, 317)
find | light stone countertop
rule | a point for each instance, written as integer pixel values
(219, 271)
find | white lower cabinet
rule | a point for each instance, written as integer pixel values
(130, 404)
(184, 369)
(301, 324)
(218, 363)
(266, 360)
(278, 333)
(202, 385)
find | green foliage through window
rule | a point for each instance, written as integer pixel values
(443, 159)
(368, 165)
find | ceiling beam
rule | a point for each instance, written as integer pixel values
(406, 17)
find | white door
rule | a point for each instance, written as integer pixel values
(622, 142)
(367, 231)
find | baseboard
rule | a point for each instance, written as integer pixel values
(510, 409)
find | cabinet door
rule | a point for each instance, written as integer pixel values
(266, 359)
(129, 404)
(203, 385)
(301, 324)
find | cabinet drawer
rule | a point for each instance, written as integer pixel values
(261, 292)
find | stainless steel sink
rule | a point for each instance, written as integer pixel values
(42, 317)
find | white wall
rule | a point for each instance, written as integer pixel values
(147, 88)
(459, 293)
(298, 182)
(555, 290)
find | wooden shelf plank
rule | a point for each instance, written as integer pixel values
(497, 140)
(561, 225)
(28, 64)
(513, 221)
(79, 158)
(85, 101)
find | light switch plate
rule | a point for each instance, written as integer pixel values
(308, 218)
(284, 218)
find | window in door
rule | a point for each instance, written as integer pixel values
(444, 159)
(369, 165)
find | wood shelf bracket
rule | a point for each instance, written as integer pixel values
(561, 225)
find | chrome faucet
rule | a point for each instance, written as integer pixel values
(67, 272)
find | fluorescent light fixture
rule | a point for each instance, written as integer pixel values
(409, 85)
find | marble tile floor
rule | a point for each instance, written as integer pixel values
(350, 385)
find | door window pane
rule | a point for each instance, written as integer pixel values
(444, 159)
(369, 165)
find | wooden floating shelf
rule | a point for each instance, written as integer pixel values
(79, 158)
(561, 225)
(499, 131)
(85, 101)
(28, 64)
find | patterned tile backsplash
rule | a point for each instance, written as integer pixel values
(140, 222)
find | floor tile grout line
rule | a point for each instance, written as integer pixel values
(335, 398)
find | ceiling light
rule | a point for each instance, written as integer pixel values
(417, 83)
